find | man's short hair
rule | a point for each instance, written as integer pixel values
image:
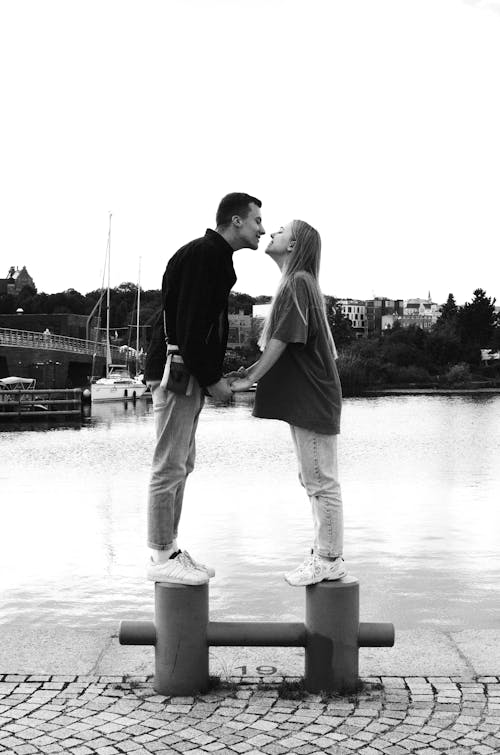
(234, 204)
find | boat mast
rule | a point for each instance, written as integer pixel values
(138, 311)
(108, 258)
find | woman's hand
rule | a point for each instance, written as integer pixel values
(241, 384)
(235, 375)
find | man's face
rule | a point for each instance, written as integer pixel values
(251, 229)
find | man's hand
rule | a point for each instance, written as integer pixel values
(220, 391)
(235, 375)
(243, 384)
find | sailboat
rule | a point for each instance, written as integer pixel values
(118, 384)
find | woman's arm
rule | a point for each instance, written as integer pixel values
(274, 349)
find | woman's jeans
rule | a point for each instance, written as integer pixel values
(176, 419)
(318, 473)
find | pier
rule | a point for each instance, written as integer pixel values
(43, 403)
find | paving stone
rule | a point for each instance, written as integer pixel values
(108, 715)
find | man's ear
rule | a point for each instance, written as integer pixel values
(236, 220)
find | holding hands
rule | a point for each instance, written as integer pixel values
(239, 380)
(232, 382)
(241, 384)
(221, 391)
(235, 375)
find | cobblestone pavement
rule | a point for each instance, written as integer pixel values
(108, 715)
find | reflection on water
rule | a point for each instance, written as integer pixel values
(421, 484)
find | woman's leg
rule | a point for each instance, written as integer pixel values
(318, 473)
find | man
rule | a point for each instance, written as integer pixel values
(194, 323)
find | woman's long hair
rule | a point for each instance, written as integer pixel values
(303, 262)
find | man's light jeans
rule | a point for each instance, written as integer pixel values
(176, 419)
(318, 473)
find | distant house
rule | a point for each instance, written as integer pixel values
(382, 313)
(355, 311)
(7, 286)
(240, 329)
(422, 313)
(488, 355)
(16, 280)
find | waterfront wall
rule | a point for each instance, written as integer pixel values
(51, 368)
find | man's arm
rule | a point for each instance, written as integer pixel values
(220, 391)
(196, 315)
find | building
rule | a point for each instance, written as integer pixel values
(354, 310)
(382, 313)
(261, 311)
(16, 280)
(240, 329)
(488, 355)
(421, 313)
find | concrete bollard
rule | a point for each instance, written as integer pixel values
(182, 635)
(181, 650)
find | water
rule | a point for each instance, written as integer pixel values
(421, 486)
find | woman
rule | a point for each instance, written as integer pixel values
(298, 382)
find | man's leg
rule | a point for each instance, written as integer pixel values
(189, 468)
(176, 418)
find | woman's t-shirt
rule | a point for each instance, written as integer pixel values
(303, 386)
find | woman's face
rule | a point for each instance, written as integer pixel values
(281, 243)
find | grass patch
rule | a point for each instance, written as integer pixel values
(295, 690)
(127, 683)
(292, 690)
(217, 684)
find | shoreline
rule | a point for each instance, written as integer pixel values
(427, 392)
(28, 649)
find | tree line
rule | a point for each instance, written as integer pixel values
(450, 352)
(123, 306)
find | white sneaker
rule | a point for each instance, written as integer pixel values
(178, 570)
(316, 569)
(198, 565)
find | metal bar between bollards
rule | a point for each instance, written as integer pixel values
(256, 634)
(376, 635)
(137, 633)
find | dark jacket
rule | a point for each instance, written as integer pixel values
(195, 290)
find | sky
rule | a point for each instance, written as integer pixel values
(377, 121)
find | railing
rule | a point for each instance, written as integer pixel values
(40, 403)
(29, 340)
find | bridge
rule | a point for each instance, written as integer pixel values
(50, 342)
